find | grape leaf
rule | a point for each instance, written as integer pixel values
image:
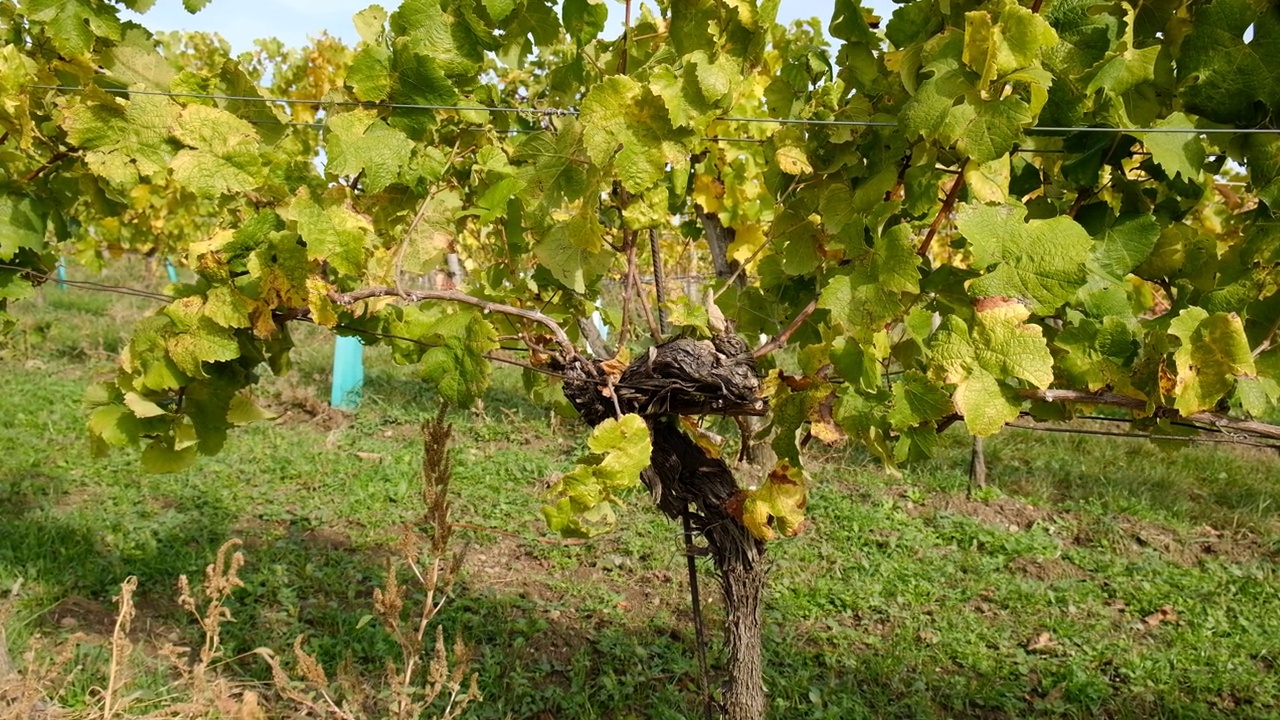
(624, 122)
(917, 400)
(1123, 245)
(124, 140)
(1220, 76)
(1041, 261)
(552, 165)
(23, 224)
(1214, 353)
(333, 233)
(359, 142)
(74, 25)
(777, 506)
(1179, 154)
(871, 291)
(160, 457)
(371, 23)
(583, 499)
(574, 252)
(584, 19)
(978, 361)
(370, 73)
(223, 155)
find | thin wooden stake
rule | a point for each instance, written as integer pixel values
(699, 631)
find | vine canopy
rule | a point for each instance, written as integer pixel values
(970, 205)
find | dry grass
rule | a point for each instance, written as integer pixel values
(427, 679)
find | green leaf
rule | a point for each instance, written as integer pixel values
(1258, 396)
(1262, 157)
(871, 291)
(1214, 353)
(777, 506)
(225, 152)
(124, 140)
(333, 233)
(988, 182)
(194, 6)
(147, 355)
(583, 498)
(160, 457)
(243, 411)
(115, 425)
(359, 142)
(206, 342)
(23, 224)
(953, 107)
(792, 160)
(499, 9)
(370, 74)
(978, 361)
(1122, 246)
(449, 347)
(142, 407)
(1178, 154)
(1220, 76)
(624, 122)
(74, 25)
(1041, 262)
(429, 240)
(371, 23)
(552, 165)
(574, 251)
(916, 400)
(584, 19)
(135, 61)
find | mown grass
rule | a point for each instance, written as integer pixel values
(1095, 578)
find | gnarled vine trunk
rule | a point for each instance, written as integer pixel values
(696, 377)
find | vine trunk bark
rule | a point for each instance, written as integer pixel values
(688, 377)
(742, 578)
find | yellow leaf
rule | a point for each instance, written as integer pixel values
(792, 160)
(707, 192)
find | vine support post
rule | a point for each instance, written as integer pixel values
(978, 464)
(348, 373)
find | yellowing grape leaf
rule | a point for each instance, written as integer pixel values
(1214, 353)
(777, 506)
(584, 498)
(979, 362)
(360, 142)
(623, 121)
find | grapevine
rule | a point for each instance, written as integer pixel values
(986, 213)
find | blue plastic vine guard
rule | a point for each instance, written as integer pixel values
(173, 271)
(62, 273)
(348, 373)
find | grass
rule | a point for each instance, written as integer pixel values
(1095, 578)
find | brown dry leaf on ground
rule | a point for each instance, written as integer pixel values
(1165, 614)
(1042, 643)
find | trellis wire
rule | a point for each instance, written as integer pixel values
(570, 112)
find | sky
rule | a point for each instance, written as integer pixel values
(293, 21)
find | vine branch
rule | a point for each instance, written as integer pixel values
(488, 306)
(787, 332)
(1217, 421)
(948, 203)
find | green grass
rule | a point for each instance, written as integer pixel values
(903, 598)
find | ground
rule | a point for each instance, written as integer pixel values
(1097, 577)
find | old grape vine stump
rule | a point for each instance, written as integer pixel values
(687, 377)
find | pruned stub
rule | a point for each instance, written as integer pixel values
(685, 376)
